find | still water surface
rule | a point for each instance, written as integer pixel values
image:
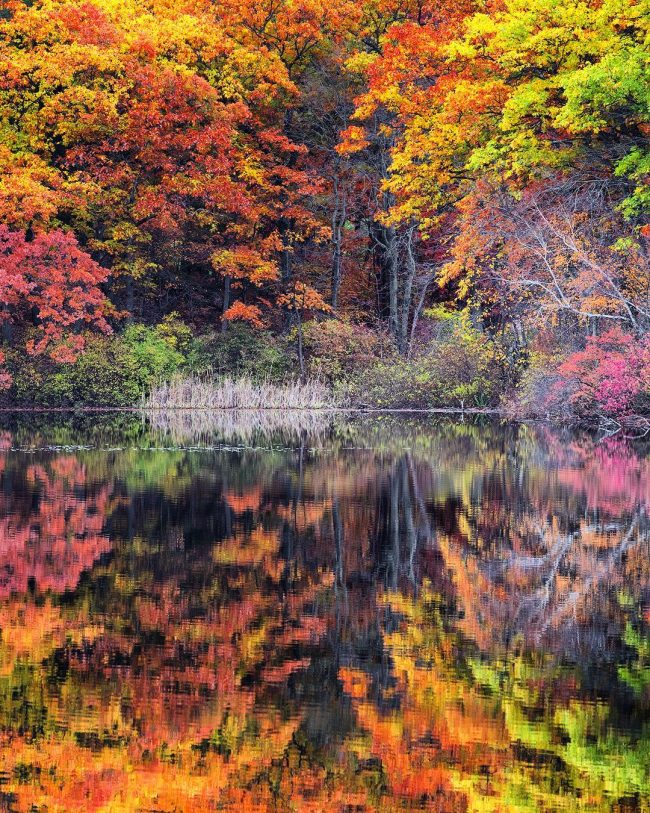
(362, 615)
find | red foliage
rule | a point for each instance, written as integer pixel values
(52, 275)
(610, 373)
(60, 537)
(612, 478)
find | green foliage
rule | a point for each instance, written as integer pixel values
(636, 673)
(112, 370)
(22, 700)
(176, 333)
(577, 68)
(636, 166)
(462, 365)
(242, 351)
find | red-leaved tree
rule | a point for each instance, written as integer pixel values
(53, 283)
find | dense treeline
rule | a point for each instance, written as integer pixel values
(424, 204)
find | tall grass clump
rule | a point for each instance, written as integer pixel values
(201, 393)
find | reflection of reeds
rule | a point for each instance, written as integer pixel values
(228, 393)
(239, 411)
(249, 427)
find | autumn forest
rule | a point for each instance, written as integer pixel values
(415, 204)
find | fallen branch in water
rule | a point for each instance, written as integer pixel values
(639, 425)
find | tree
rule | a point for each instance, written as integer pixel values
(152, 132)
(537, 130)
(402, 79)
(299, 300)
(50, 281)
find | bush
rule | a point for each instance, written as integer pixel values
(531, 397)
(338, 350)
(463, 367)
(610, 377)
(459, 365)
(176, 333)
(112, 370)
(394, 384)
(242, 351)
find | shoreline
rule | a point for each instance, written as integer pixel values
(329, 410)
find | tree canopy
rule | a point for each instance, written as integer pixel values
(379, 158)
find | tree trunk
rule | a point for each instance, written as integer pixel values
(130, 298)
(393, 283)
(301, 356)
(403, 342)
(387, 253)
(418, 310)
(7, 331)
(338, 221)
(286, 262)
(226, 302)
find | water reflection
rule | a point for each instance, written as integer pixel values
(237, 426)
(394, 616)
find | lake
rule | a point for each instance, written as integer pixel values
(380, 613)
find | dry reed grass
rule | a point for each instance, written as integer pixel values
(226, 393)
(239, 411)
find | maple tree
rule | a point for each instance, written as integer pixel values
(53, 277)
(156, 144)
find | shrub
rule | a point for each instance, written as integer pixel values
(112, 370)
(611, 376)
(531, 397)
(463, 367)
(176, 333)
(467, 366)
(242, 351)
(394, 384)
(337, 350)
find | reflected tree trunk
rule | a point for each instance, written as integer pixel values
(411, 533)
(394, 530)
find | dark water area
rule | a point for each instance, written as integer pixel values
(354, 614)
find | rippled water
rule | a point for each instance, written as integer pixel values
(378, 614)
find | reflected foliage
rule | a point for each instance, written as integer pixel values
(446, 617)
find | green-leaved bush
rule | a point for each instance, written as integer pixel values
(461, 366)
(111, 371)
(242, 352)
